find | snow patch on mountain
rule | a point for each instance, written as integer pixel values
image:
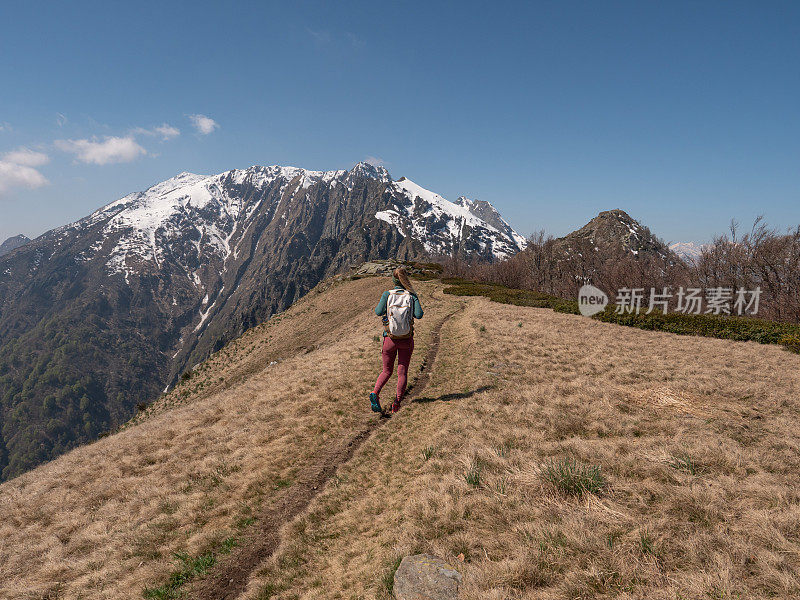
(456, 216)
(485, 211)
(261, 177)
(440, 224)
(151, 219)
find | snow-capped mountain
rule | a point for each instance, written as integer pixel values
(688, 251)
(209, 211)
(117, 305)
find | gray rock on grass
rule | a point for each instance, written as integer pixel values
(426, 577)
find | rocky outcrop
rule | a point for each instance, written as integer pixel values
(386, 267)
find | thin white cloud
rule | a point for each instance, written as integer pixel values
(61, 120)
(5, 126)
(375, 161)
(203, 124)
(25, 157)
(355, 41)
(324, 37)
(109, 150)
(321, 37)
(166, 131)
(15, 175)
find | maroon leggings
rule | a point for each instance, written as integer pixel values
(402, 349)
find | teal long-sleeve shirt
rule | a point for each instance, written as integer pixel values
(380, 310)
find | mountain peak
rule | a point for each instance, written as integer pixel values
(181, 179)
(146, 225)
(617, 213)
(450, 221)
(616, 230)
(13, 243)
(173, 183)
(365, 169)
(616, 220)
(485, 211)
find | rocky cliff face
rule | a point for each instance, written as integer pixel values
(102, 314)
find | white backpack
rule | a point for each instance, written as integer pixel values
(400, 312)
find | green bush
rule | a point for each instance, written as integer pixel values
(791, 343)
(718, 326)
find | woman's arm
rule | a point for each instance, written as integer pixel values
(380, 310)
(417, 308)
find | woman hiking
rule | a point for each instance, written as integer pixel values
(398, 307)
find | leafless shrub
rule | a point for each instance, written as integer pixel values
(762, 258)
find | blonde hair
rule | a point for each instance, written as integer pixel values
(402, 276)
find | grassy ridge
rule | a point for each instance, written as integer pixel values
(505, 295)
(539, 473)
(724, 327)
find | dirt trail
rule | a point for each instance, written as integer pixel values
(229, 577)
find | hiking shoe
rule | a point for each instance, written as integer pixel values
(395, 406)
(373, 399)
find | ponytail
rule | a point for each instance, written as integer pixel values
(402, 276)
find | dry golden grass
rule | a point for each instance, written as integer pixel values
(104, 520)
(697, 440)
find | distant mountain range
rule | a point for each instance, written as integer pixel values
(688, 251)
(102, 314)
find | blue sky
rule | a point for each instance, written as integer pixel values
(684, 114)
